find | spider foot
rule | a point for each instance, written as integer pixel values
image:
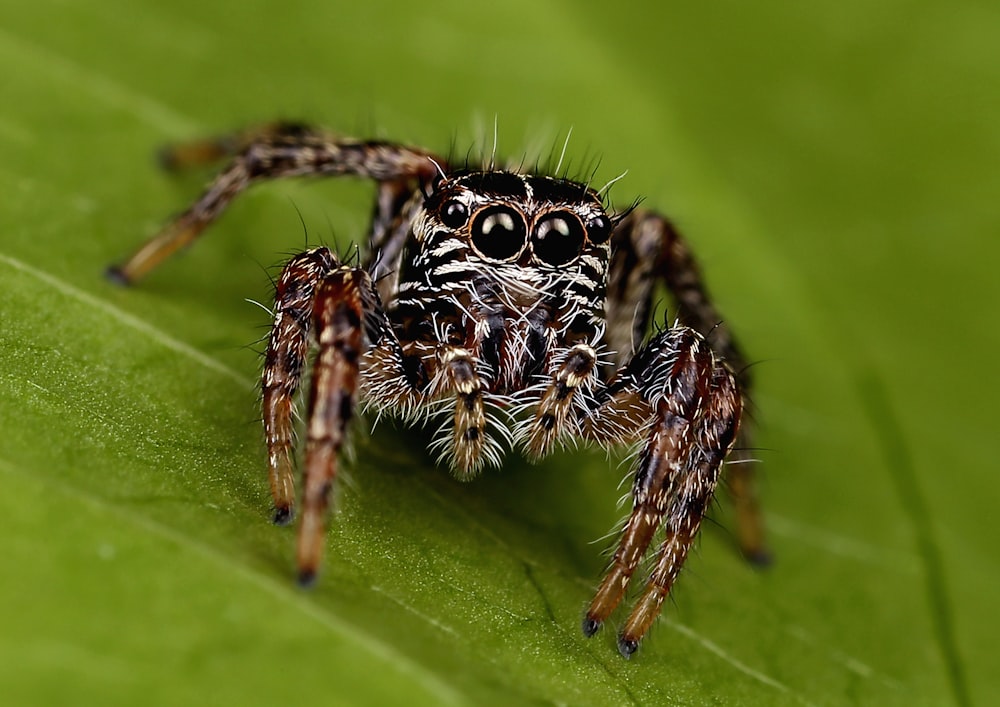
(283, 515)
(627, 646)
(590, 626)
(307, 578)
(116, 274)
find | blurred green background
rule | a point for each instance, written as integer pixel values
(835, 168)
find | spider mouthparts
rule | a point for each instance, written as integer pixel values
(282, 515)
(307, 578)
(627, 646)
(117, 275)
(590, 626)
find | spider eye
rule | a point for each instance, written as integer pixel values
(499, 233)
(599, 229)
(454, 214)
(558, 238)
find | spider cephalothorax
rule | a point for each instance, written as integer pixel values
(512, 310)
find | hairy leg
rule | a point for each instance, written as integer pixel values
(279, 150)
(287, 348)
(648, 250)
(338, 315)
(338, 307)
(690, 407)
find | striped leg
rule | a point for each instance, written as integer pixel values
(281, 150)
(338, 315)
(648, 249)
(712, 434)
(336, 306)
(283, 364)
(695, 409)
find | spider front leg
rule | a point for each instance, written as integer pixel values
(340, 306)
(648, 250)
(287, 347)
(691, 406)
(278, 150)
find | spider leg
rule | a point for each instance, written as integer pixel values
(339, 308)
(195, 153)
(288, 151)
(648, 249)
(283, 363)
(396, 203)
(674, 388)
(338, 315)
(712, 436)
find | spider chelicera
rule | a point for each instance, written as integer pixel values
(512, 308)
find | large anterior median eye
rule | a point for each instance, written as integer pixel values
(558, 238)
(499, 233)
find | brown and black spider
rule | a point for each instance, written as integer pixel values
(513, 307)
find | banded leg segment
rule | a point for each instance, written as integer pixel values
(713, 435)
(339, 313)
(286, 354)
(395, 207)
(285, 151)
(196, 153)
(338, 307)
(649, 249)
(653, 486)
(695, 409)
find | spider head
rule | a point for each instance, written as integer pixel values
(513, 222)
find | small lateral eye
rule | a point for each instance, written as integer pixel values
(558, 238)
(454, 213)
(599, 229)
(499, 233)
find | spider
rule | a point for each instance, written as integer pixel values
(512, 310)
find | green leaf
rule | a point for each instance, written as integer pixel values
(835, 169)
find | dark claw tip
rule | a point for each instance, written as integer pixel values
(115, 274)
(627, 646)
(760, 558)
(283, 516)
(307, 578)
(590, 626)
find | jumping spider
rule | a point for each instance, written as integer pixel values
(512, 305)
